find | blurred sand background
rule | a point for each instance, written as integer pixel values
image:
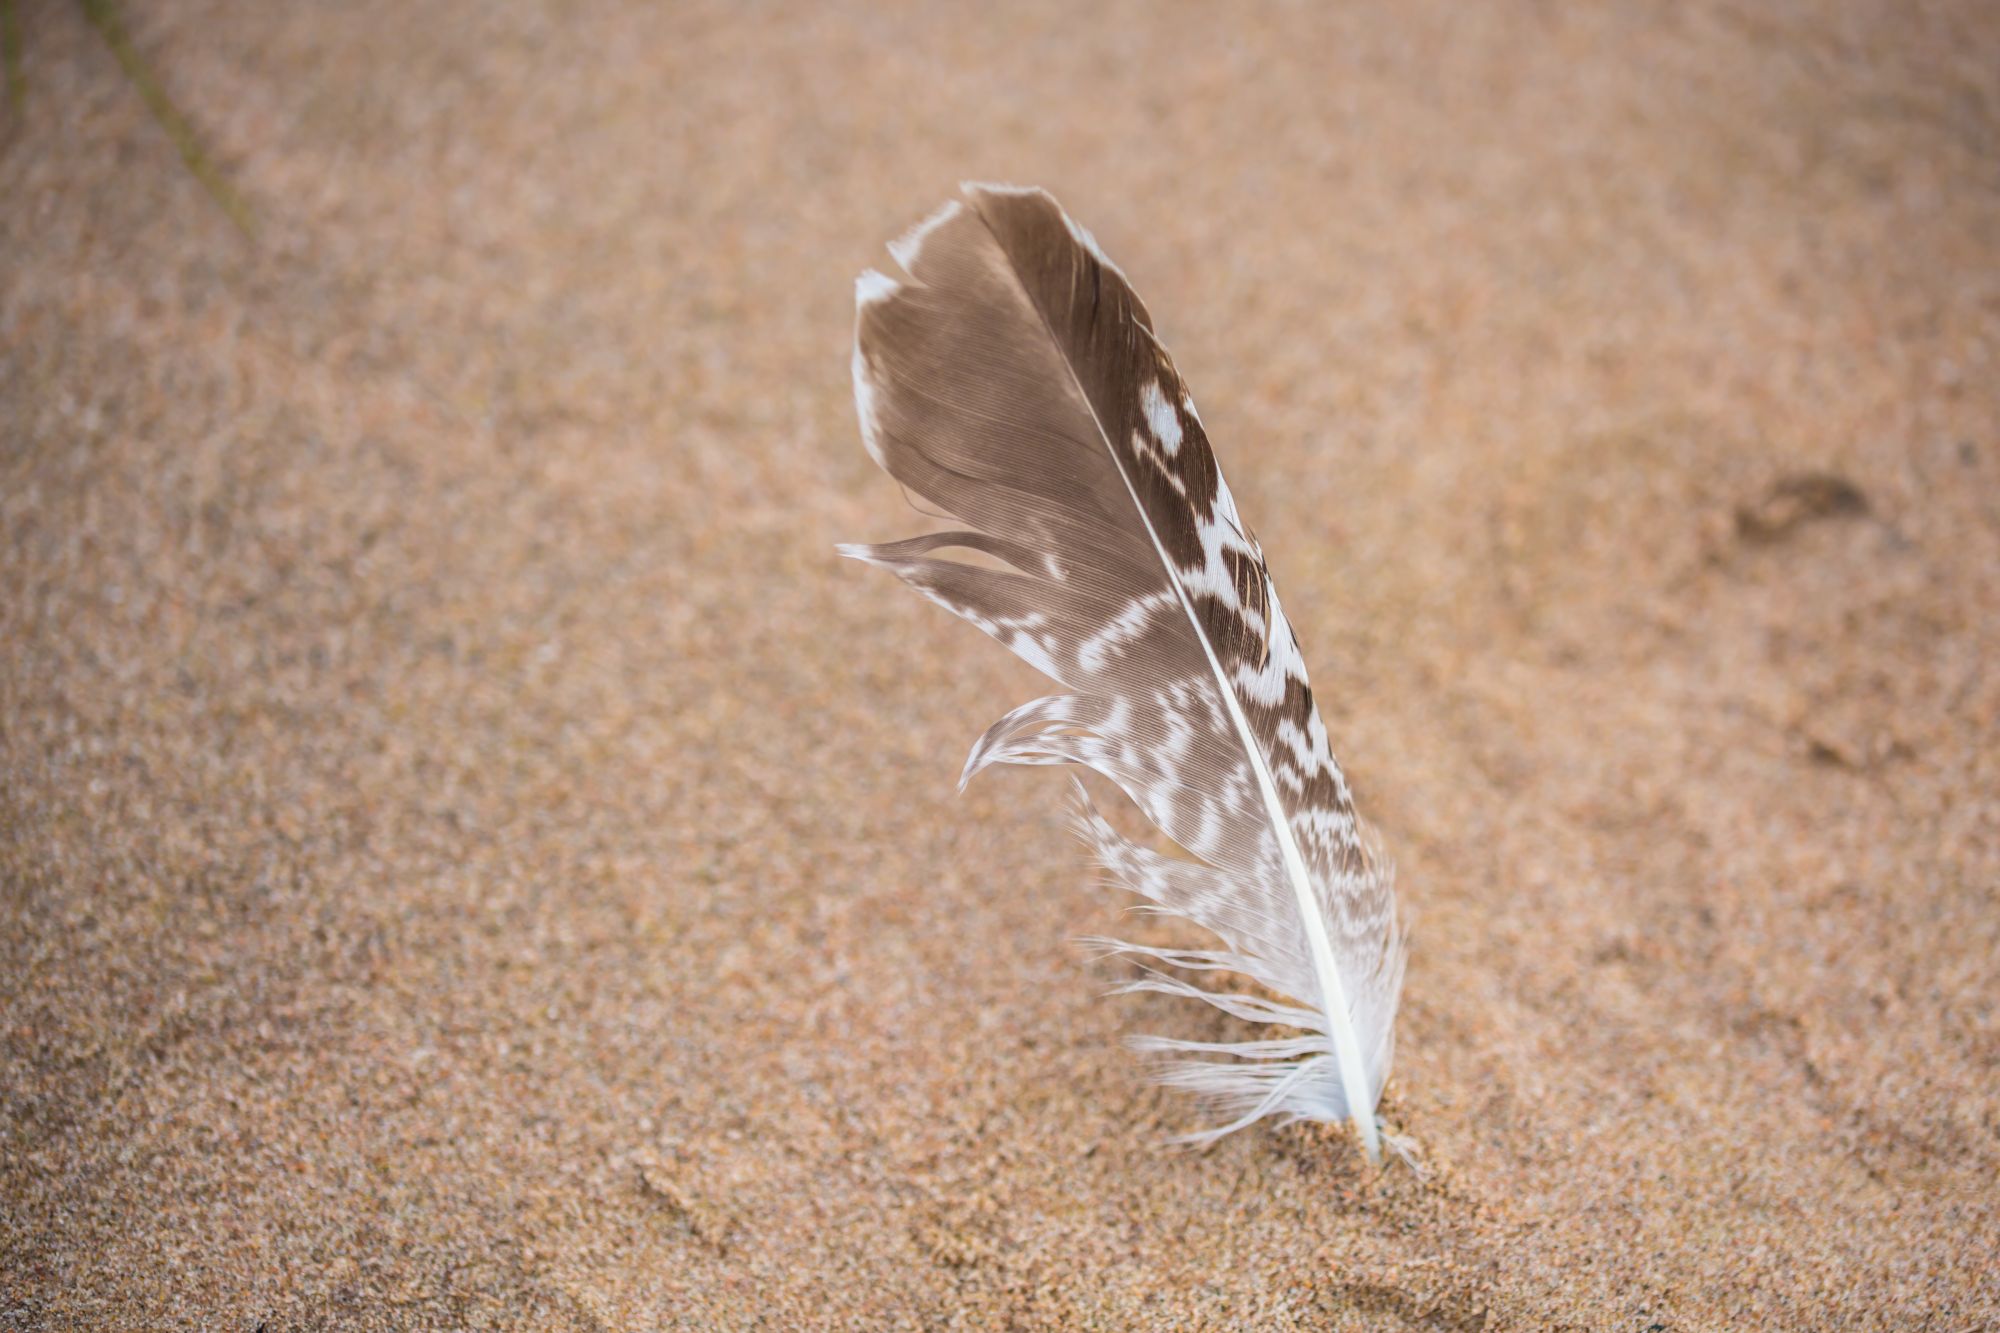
(471, 856)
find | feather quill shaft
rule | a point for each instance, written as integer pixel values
(1014, 381)
(1333, 995)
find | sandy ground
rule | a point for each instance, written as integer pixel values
(470, 856)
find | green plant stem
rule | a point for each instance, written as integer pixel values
(103, 16)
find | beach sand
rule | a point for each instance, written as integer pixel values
(471, 856)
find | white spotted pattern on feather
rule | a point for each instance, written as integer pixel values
(1014, 381)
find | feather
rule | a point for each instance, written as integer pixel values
(1014, 381)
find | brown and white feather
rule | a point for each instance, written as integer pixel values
(1014, 380)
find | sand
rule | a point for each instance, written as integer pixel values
(471, 857)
